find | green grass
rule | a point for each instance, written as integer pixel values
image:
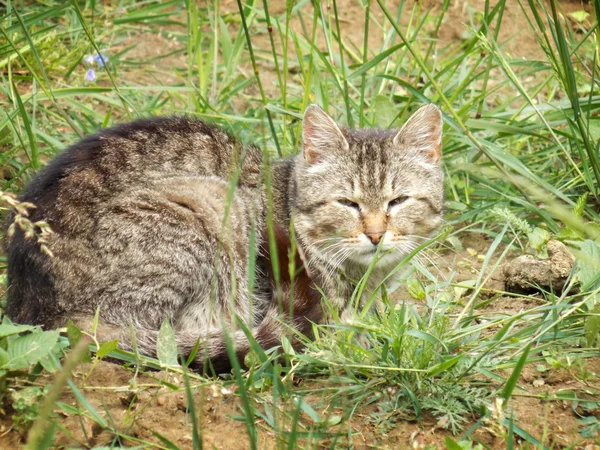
(521, 155)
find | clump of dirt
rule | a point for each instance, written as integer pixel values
(528, 274)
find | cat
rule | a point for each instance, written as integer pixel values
(166, 218)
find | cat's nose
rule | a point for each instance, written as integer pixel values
(375, 236)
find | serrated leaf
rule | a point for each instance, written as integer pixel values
(166, 345)
(106, 348)
(29, 349)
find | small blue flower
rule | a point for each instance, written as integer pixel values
(89, 60)
(90, 75)
(101, 59)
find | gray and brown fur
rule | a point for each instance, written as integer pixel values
(143, 231)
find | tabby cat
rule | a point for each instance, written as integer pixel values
(159, 219)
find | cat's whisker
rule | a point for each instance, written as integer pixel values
(336, 262)
(314, 252)
(424, 256)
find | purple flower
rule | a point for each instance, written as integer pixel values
(101, 59)
(90, 75)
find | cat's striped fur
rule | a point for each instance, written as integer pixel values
(144, 230)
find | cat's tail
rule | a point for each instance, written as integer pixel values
(295, 306)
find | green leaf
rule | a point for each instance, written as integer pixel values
(4, 358)
(580, 16)
(27, 350)
(68, 408)
(443, 366)
(106, 348)
(524, 434)
(538, 238)
(96, 417)
(192, 356)
(166, 345)
(167, 443)
(434, 340)
(592, 327)
(8, 329)
(73, 333)
(415, 288)
(511, 383)
(28, 396)
(451, 444)
(34, 154)
(373, 62)
(587, 269)
(456, 206)
(51, 362)
(310, 412)
(383, 112)
(95, 321)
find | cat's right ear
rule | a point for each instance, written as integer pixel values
(320, 135)
(422, 133)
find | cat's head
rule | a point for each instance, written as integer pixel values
(359, 189)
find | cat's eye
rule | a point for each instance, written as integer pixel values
(397, 201)
(349, 203)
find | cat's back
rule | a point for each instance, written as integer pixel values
(128, 156)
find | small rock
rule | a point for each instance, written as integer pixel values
(527, 274)
(538, 383)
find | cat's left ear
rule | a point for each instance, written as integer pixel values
(423, 133)
(321, 135)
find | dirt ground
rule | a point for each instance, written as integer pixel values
(140, 406)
